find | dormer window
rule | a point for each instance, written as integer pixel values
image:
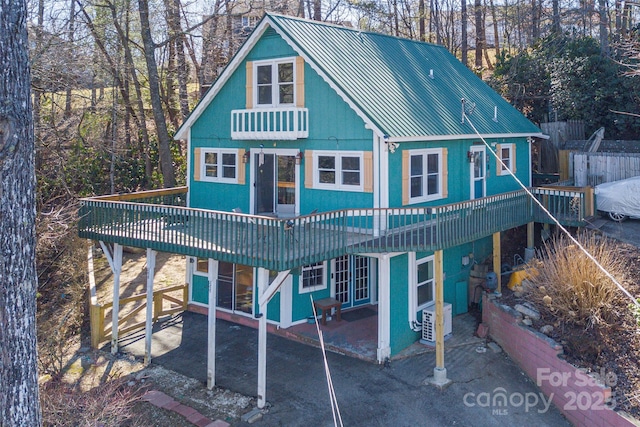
(274, 82)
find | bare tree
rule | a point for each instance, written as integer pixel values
(19, 398)
(166, 162)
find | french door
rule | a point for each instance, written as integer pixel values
(352, 280)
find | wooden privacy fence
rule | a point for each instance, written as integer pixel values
(138, 303)
(591, 169)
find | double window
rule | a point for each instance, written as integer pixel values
(338, 170)
(219, 165)
(274, 82)
(425, 175)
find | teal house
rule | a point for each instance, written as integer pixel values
(342, 171)
(331, 134)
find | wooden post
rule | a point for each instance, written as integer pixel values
(263, 282)
(117, 268)
(529, 251)
(212, 274)
(439, 378)
(151, 266)
(185, 296)
(497, 268)
(96, 315)
(589, 208)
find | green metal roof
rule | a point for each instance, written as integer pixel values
(389, 80)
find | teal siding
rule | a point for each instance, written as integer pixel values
(273, 308)
(333, 125)
(301, 302)
(459, 171)
(497, 184)
(401, 334)
(200, 289)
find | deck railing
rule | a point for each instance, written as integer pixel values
(280, 243)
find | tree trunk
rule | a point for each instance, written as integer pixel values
(604, 34)
(317, 10)
(19, 397)
(164, 149)
(421, 18)
(140, 119)
(535, 21)
(479, 33)
(68, 83)
(555, 24)
(496, 33)
(463, 35)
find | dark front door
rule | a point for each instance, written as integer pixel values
(275, 184)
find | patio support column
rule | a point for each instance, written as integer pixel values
(148, 331)
(212, 275)
(117, 269)
(439, 378)
(384, 307)
(497, 268)
(529, 251)
(263, 281)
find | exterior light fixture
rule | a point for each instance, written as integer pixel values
(299, 157)
(246, 156)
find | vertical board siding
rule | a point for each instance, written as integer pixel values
(591, 169)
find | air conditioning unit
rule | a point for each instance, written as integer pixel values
(429, 323)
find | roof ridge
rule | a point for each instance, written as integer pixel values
(355, 30)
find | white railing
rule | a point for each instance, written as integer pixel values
(270, 123)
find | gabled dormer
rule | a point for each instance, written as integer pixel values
(275, 106)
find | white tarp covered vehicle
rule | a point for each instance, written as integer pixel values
(619, 199)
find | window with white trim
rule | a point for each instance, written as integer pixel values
(274, 83)
(425, 175)
(313, 277)
(338, 170)
(219, 165)
(506, 154)
(425, 285)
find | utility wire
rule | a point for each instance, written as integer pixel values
(564, 230)
(335, 410)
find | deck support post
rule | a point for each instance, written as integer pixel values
(497, 256)
(212, 275)
(148, 331)
(263, 282)
(384, 307)
(117, 269)
(529, 251)
(439, 378)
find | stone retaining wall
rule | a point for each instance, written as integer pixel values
(583, 398)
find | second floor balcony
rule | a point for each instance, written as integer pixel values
(270, 123)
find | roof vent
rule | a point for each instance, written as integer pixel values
(431, 73)
(495, 113)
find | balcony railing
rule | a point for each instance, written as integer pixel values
(281, 244)
(270, 123)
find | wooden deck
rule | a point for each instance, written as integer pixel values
(152, 220)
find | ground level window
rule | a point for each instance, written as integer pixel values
(235, 285)
(425, 284)
(313, 277)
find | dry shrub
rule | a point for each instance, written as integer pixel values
(110, 404)
(571, 287)
(62, 295)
